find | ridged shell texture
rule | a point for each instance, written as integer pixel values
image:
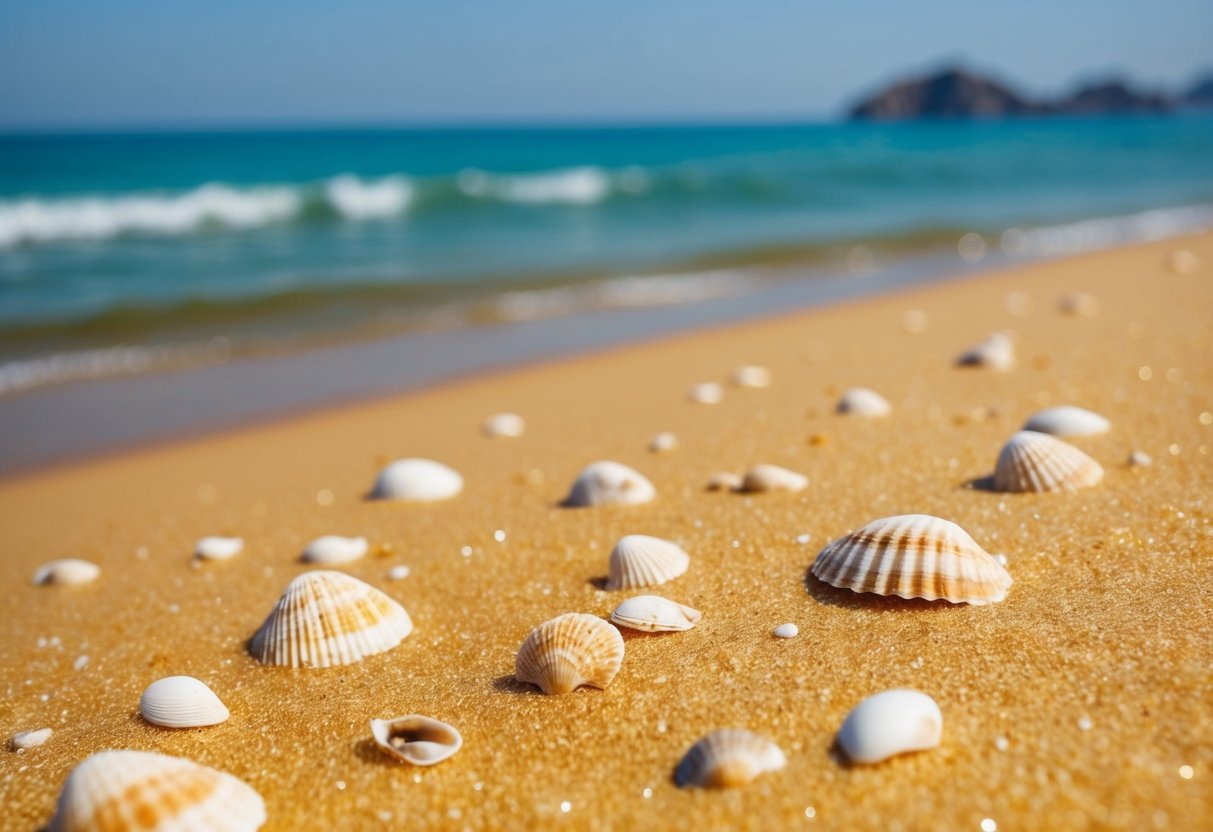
(639, 560)
(569, 651)
(728, 758)
(1038, 462)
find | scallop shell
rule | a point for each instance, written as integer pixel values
(181, 702)
(609, 483)
(1067, 420)
(117, 790)
(728, 758)
(890, 723)
(1038, 462)
(417, 480)
(1078, 303)
(416, 739)
(639, 560)
(724, 481)
(25, 740)
(997, 352)
(654, 614)
(335, 549)
(504, 425)
(218, 548)
(663, 442)
(762, 478)
(329, 619)
(707, 393)
(751, 375)
(860, 401)
(66, 572)
(914, 556)
(569, 651)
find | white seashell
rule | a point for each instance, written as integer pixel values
(1038, 462)
(763, 478)
(639, 560)
(1140, 459)
(727, 759)
(181, 702)
(66, 572)
(663, 442)
(417, 480)
(751, 375)
(569, 651)
(997, 352)
(860, 401)
(724, 481)
(1078, 303)
(605, 483)
(398, 572)
(913, 556)
(218, 548)
(504, 425)
(914, 321)
(707, 393)
(329, 619)
(654, 614)
(24, 740)
(890, 723)
(1182, 261)
(123, 790)
(334, 549)
(786, 631)
(1067, 420)
(416, 739)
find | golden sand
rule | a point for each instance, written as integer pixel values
(1077, 703)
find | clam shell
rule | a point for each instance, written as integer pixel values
(860, 401)
(417, 480)
(639, 560)
(914, 556)
(707, 393)
(1038, 462)
(751, 375)
(890, 723)
(115, 790)
(728, 758)
(218, 548)
(334, 549)
(181, 702)
(504, 425)
(762, 478)
(1078, 303)
(724, 481)
(1067, 420)
(605, 483)
(416, 739)
(996, 352)
(66, 572)
(24, 740)
(329, 619)
(569, 651)
(654, 614)
(663, 442)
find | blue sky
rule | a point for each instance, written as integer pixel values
(75, 63)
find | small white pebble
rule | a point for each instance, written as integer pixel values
(1084, 723)
(810, 812)
(398, 573)
(988, 825)
(499, 535)
(785, 631)
(1187, 772)
(81, 663)
(32, 739)
(1002, 743)
(802, 539)
(566, 806)
(649, 792)
(1140, 458)
(341, 785)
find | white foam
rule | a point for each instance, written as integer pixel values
(1104, 232)
(572, 186)
(358, 199)
(24, 374)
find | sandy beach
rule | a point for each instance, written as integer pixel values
(1082, 701)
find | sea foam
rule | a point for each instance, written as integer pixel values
(572, 186)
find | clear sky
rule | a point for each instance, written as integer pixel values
(82, 63)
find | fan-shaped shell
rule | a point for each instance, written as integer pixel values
(707, 393)
(1067, 420)
(654, 614)
(218, 548)
(124, 790)
(996, 351)
(728, 758)
(1038, 462)
(334, 549)
(860, 401)
(725, 481)
(569, 651)
(751, 375)
(914, 556)
(663, 443)
(605, 483)
(181, 702)
(639, 560)
(890, 723)
(504, 425)
(764, 477)
(417, 480)
(66, 572)
(328, 619)
(416, 739)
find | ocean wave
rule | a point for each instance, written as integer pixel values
(357, 199)
(574, 186)
(1105, 232)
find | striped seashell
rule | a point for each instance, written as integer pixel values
(124, 790)
(914, 556)
(728, 758)
(725, 481)
(762, 478)
(606, 483)
(181, 702)
(66, 572)
(707, 393)
(890, 723)
(569, 651)
(334, 549)
(1067, 420)
(663, 443)
(1078, 303)
(504, 426)
(751, 375)
(639, 560)
(860, 401)
(415, 739)
(996, 352)
(218, 548)
(417, 480)
(25, 740)
(329, 619)
(1038, 462)
(654, 614)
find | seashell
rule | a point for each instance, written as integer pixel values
(398, 572)
(1078, 303)
(751, 375)
(1182, 261)
(25, 740)
(417, 480)
(605, 483)
(639, 560)
(504, 425)
(890, 723)
(416, 739)
(727, 759)
(914, 556)
(724, 481)
(66, 572)
(707, 393)
(762, 478)
(569, 651)
(218, 548)
(181, 702)
(1140, 459)
(1067, 420)
(1038, 462)
(663, 442)
(860, 401)
(786, 631)
(654, 614)
(329, 619)
(116, 790)
(335, 549)
(996, 352)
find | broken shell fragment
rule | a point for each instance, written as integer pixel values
(728, 758)
(724, 481)
(333, 549)
(763, 478)
(66, 572)
(751, 375)
(995, 352)
(1037, 462)
(860, 401)
(890, 723)
(663, 443)
(609, 483)
(639, 560)
(1067, 420)
(654, 614)
(25, 740)
(415, 739)
(569, 651)
(504, 425)
(218, 548)
(181, 702)
(707, 393)
(417, 480)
